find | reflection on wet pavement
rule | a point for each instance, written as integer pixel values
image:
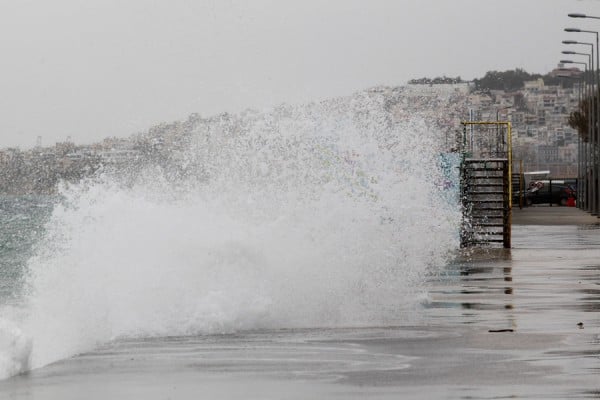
(548, 285)
(558, 273)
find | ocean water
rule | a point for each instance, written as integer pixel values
(327, 215)
(22, 219)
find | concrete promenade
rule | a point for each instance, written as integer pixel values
(555, 215)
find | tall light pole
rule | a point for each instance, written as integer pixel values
(592, 117)
(584, 93)
(585, 43)
(580, 97)
(595, 167)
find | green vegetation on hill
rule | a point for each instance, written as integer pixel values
(435, 81)
(508, 81)
(512, 80)
(515, 79)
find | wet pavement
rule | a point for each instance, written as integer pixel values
(522, 323)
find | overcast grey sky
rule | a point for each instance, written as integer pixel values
(96, 68)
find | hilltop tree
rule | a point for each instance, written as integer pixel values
(508, 80)
(437, 80)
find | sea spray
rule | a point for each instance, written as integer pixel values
(322, 215)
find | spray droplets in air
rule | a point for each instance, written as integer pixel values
(327, 214)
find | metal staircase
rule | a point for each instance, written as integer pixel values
(485, 201)
(486, 184)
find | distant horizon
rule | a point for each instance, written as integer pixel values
(105, 68)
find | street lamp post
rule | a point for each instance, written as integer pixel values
(587, 178)
(593, 141)
(582, 184)
(580, 97)
(579, 148)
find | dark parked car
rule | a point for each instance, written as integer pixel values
(546, 193)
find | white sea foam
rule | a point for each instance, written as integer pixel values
(15, 349)
(323, 215)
